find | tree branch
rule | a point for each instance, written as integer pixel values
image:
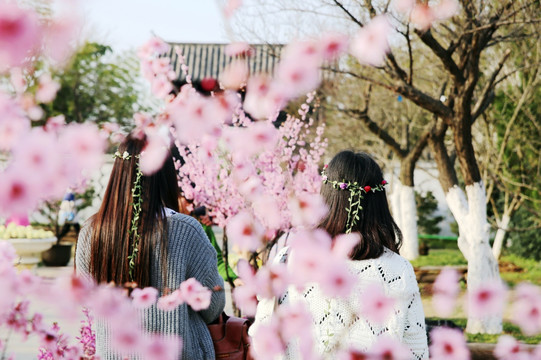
(443, 54)
(418, 97)
(485, 99)
(349, 14)
(378, 131)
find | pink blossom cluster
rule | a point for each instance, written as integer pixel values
(423, 14)
(61, 154)
(106, 303)
(156, 68)
(254, 178)
(23, 35)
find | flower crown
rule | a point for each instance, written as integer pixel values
(137, 203)
(356, 192)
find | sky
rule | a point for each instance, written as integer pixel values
(126, 24)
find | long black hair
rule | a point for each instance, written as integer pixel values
(375, 225)
(111, 241)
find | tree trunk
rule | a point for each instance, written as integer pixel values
(471, 217)
(405, 215)
(503, 225)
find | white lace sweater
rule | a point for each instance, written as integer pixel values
(336, 319)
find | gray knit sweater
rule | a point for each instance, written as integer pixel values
(190, 254)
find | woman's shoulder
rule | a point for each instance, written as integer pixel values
(187, 229)
(390, 267)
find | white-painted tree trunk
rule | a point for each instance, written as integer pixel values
(503, 225)
(405, 215)
(471, 216)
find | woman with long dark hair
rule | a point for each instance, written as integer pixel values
(138, 236)
(354, 191)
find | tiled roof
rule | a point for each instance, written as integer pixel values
(208, 60)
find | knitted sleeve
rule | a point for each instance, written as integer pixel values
(202, 265)
(415, 329)
(82, 252)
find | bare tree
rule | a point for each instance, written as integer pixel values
(462, 49)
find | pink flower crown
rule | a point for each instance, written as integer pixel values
(356, 192)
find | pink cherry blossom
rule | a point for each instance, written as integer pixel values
(231, 6)
(27, 282)
(337, 281)
(526, 309)
(309, 255)
(422, 16)
(61, 34)
(7, 253)
(37, 153)
(487, 299)
(245, 298)
(295, 320)
(307, 209)
(376, 306)
(55, 123)
(246, 272)
(387, 348)
(245, 232)
(333, 45)
(446, 289)
(194, 116)
(267, 343)
(241, 49)
(267, 209)
(255, 139)
(13, 123)
(343, 244)
(264, 98)
(19, 34)
(235, 75)
(448, 344)
(155, 151)
(162, 348)
(84, 145)
(508, 348)
(17, 80)
(171, 301)
(370, 44)
(195, 294)
(18, 193)
(47, 89)
(270, 281)
(126, 339)
(299, 76)
(161, 86)
(144, 298)
(154, 46)
(109, 302)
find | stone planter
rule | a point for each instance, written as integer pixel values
(29, 250)
(57, 255)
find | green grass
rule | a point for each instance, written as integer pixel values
(440, 257)
(508, 329)
(530, 270)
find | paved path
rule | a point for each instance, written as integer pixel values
(27, 350)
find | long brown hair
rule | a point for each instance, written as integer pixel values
(111, 241)
(375, 225)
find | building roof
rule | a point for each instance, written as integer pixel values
(208, 60)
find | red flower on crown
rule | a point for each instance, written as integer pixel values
(367, 188)
(383, 182)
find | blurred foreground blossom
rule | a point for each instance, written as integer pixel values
(448, 344)
(445, 291)
(370, 45)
